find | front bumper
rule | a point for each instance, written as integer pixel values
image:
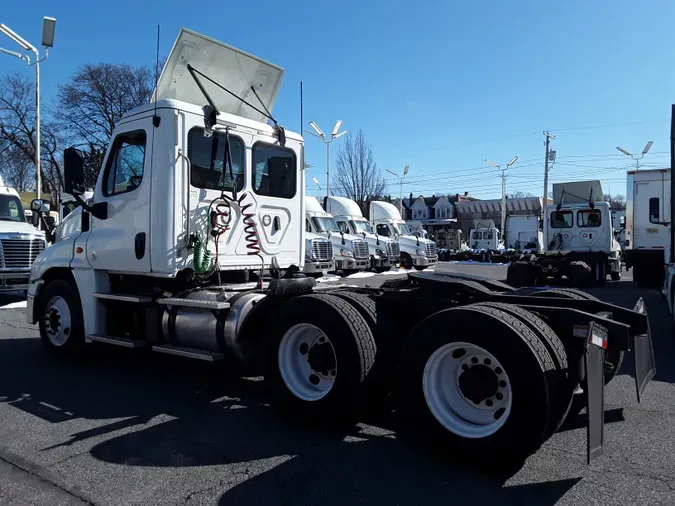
(347, 263)
(317, 267)
(378, 261)
(420, 261)
(13, 281)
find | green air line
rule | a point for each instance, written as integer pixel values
(202, 256)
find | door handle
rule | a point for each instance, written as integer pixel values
(276, 224)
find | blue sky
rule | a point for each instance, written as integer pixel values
(436, 85)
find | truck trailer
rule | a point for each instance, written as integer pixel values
(197, 195)
(647, 224)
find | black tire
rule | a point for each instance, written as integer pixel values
(600, 271)
(52, 317)
(421, 267)
(380, 270)
(562, 389)
(615, 275)
(526, 362)
(406, 261)
(354, 348)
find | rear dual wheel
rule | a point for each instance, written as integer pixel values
(480, 382)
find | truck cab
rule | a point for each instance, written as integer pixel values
(20, 242)
(351, 251)
(485, 239)
(384, 252)
(416, 251)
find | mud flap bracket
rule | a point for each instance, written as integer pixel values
(595, 385)
(643, 354)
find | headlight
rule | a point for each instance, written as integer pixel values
(421, 252)
(346, 253)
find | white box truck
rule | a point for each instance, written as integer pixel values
(647, 224)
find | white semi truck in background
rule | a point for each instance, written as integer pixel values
(523, 233)
(197, 192)
(384, 252)
(20, 242)
(416, 251)
(350, 251)
(579, 240)
(648, 224)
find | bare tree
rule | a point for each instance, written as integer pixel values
(93, 102)
(616, 202)
(17, 137)
(357, 176)
(520, 195)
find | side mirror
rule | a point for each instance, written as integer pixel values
(73, 172)
(627, 243)
(39, 205)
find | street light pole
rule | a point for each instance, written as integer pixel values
(503, 171)
(636, 158)
(48, 27)
(334, 135)
(400, 179)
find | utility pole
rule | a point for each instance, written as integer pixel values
(503, 172)
(548, 145)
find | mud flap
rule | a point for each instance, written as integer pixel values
(595, 386)
(643, 354)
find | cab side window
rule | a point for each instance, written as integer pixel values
(308, 227)
(124, 168)
(383, 230)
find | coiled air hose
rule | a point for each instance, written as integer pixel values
(202, 256)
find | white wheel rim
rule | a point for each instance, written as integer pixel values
(57, 321)
(307, 362)
(452, 405)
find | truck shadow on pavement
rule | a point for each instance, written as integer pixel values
(218, 421)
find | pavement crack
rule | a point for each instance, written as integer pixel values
(43, 475)
(18, 327)
(66, 459)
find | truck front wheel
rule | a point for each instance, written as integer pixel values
(319, 353)
(406, 261)
(60, 318)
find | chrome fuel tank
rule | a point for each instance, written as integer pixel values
(208, 329)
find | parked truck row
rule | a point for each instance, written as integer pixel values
(484, 371)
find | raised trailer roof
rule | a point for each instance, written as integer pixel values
(230, 67)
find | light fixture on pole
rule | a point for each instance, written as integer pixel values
(634, 157)
(316, 181)
(503, 171)
(400, 199)
(48, 28)
(334, 135)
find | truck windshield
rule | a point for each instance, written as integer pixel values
(10, 209)
(402, 229)
(362, 226)
(325, 224)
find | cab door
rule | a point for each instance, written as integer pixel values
(122, 241)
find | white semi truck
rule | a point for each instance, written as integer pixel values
(20, 242)
(523, 234)
(384, 252)
(196, 191)
(647, 224)
(351, 251)
(579, 240)
(416, 251)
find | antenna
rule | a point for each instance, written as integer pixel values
(155, 118)
(301, 119)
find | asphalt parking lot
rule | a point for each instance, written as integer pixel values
(119, 429)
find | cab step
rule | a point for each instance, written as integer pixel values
(123, 297)
(202, 304)
(169, 349)
(125, 342)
